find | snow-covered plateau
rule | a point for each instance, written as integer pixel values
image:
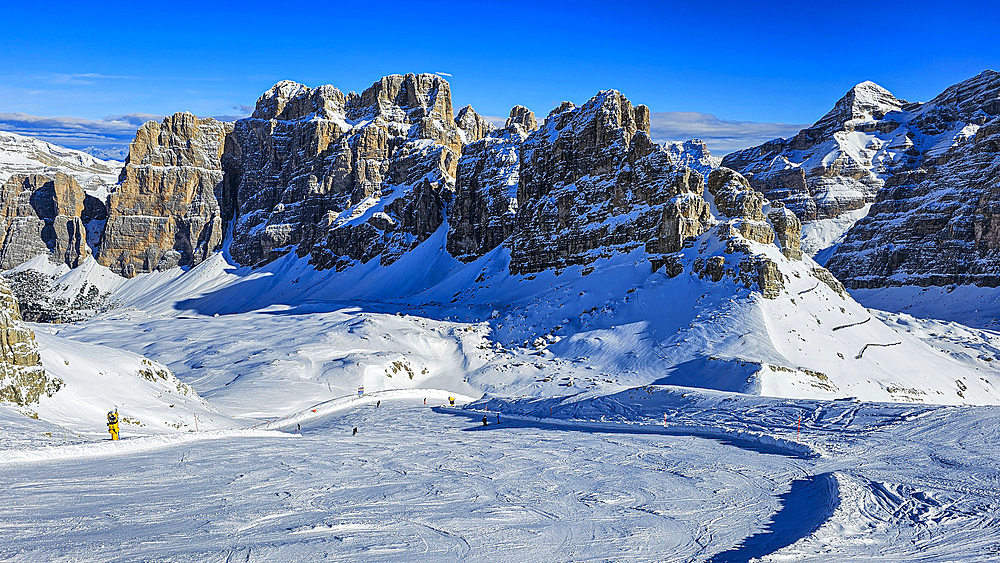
(238, 395)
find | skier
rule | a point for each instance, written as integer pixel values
(498, 418)
(377, 403)
(425, 400)
(355, 431)
(451, 400)
(298, 427)
(484, 421)
(113, 423)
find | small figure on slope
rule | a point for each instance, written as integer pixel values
(484, 421)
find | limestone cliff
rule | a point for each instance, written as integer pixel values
(592, 184)
(938, 225)
(22, 379)
(346, 178)
(42, 214)
(168, 208)
(481, 216)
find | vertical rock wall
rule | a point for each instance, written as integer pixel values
(167, 210)
(347, 178)
(22, 379)
(592, 185)
(42, 214)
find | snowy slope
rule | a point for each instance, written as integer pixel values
(96, 379)
(644, 474)
(310, 336)
(27, 155)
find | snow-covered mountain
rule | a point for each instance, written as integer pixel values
(112, 153)
(694, 154)
(27, 155)
(637, 355)
(830, 173)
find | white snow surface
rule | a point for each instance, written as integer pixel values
(821, 237)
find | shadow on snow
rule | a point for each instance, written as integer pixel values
(804, 508)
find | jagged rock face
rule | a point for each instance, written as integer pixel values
(592, 185)
(731, 250)
(45, 215)
(840, 163)
(524, 117)
(346, 179)
(482, 214)
(736, 200)
(168, 208)
(939, 225)
(471, 125)
(23, 381)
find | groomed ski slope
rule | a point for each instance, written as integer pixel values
(584, 366)
(591, 477)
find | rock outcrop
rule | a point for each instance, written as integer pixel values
(524, 117)
(592, 184)
(787, 230)
(23, 381)
(170, 208)
(472, 126)
(347, 178)
(45, 215)
(743, 225)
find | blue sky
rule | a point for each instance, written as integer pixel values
(745, 70)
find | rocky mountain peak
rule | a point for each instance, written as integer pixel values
(289, 100)
(473, 125)
(693, 154)
(418, 96)
(356, 181)
(272, 103)
(974, 101)
(168, 209)
(863, 102)
(592, 184)
(523, 117)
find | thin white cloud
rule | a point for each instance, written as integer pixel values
(721, 135)
(114, 131)
(443, 74)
